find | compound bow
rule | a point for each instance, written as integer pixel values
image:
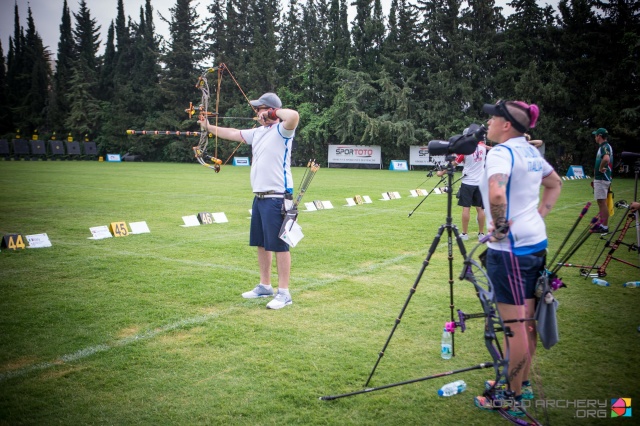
(476, 275)
(204, 114)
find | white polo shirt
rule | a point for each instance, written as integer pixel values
(526, 168)
(473, 170)
(271, 162)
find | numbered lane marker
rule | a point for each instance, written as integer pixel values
(205, 218)
(118, 229)
(13, 242)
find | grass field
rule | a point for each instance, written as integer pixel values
(151, 328)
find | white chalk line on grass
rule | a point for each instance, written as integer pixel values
(91, 350)
(187, 322)
(153, 255)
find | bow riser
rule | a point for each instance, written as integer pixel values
(204, 114)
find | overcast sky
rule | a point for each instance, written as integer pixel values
(48, 13)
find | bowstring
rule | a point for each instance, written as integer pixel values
(222, 67)
(217, 109)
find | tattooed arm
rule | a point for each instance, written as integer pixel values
(498, 200)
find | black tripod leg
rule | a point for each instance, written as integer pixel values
(425, 263)
(448, 373)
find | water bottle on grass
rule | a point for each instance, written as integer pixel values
(600, 282)
(452, 388)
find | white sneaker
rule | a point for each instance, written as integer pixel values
(259, 291)
(480, 235)
(280, 301)
(464, 237)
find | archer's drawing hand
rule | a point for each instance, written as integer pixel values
(268, 116)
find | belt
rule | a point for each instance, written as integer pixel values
(269, 194)
(541, 253)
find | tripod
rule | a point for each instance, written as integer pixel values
(451, 230)
(484, 291)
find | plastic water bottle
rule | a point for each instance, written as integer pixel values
(452, 388)
(446, 344)
(600, 282)
(631, 284)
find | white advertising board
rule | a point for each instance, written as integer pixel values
(355, 154)
(419, 156)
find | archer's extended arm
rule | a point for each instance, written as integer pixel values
(228, 133)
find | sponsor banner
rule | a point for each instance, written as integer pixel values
(241, 161)
(399, 165)
(419, 156)
(576, 171)
(355, 154)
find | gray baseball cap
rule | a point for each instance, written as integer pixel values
(268, 99)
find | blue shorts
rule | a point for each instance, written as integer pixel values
(266, 221)
(513, 277)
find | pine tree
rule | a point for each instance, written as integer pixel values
(17, 77)
(59, 107)
(87, 39)
(617, 54)
(5, 117)
(186, 49)
(482, 24)
(290, 61)
(215, 32)
(360, 35)
(85, 113)
(39, 72)
(446, 83)
(263, 58)
(108, 71)
(376, 33)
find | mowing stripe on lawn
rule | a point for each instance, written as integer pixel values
(187, 322)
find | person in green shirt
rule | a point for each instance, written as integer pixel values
(602, 177)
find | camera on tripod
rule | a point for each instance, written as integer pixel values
(464, 144)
